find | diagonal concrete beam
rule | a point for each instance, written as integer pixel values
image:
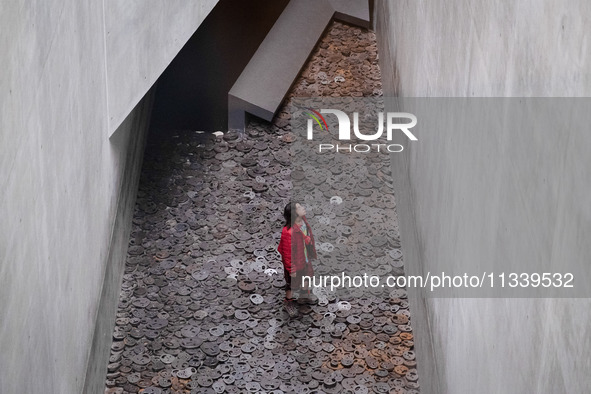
(265, 81)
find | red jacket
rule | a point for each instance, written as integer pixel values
(291, 247)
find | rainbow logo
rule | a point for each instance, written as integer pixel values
(316, 115)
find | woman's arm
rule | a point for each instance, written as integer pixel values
(284, 248)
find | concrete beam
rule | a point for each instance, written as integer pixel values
(265, 81)
(354, 12)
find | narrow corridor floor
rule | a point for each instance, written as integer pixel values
(201, 307)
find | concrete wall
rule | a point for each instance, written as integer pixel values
(477, 48)
(128, 145)
(142, 38)
(71, 74)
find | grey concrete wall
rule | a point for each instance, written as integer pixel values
(64, 168)
(142, 38)
(128, 145)
(476, 48)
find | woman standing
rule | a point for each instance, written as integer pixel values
(297, 249)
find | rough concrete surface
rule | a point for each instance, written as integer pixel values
(471, 48)
(61, 175)
(142, 38)
(128, 143)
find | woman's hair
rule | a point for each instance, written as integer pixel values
(287, 215)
